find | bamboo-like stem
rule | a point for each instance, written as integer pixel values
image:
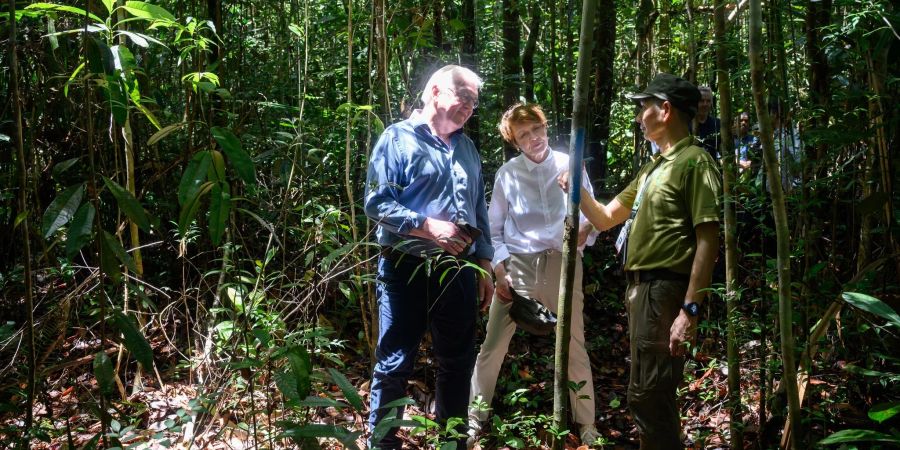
(26, 242)
(773, 172)
(728, 179)
(570, 239)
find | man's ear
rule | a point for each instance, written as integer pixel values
(667, 110)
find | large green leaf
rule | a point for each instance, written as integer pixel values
(348, 389)
(61, 167)
(241, 161)
(859, 436)
(219, 209)
(217, 168)
(873, 305)
(300, 366)
(118, 251)
(108, 261)
(165, 131)
(193, 177)
(41, 6)
(134, 339)
(884, 411)
(103, 371)
(148, 11)
(62, 209)
(109, 4)
(128, 204)
(80, 230)
(117, 99)
(190, 207)
(99, 56)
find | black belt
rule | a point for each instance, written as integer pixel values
(646, 276)
(393, 255)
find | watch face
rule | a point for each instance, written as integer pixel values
(692, 309)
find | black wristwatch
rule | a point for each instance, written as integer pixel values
(692, 308)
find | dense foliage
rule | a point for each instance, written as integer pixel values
(193, 174)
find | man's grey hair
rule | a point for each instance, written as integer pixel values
(703, 89)
(449, 76)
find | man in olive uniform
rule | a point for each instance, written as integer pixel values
(670, 241)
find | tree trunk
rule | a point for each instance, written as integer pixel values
(382, 60)
(555, 88)
(604, 55)
(729, 174)
(26, 238)
(570, 240)
(511, 66)
(528, 54)
(773, 172)
(643, 23)
(469, 56)
(665, 38)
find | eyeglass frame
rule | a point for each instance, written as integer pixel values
(467, 99)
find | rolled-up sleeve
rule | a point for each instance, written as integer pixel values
(384, 182)
(497, 214)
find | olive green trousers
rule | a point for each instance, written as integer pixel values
(655, 374)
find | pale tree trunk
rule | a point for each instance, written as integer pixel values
(728, 175)
(773, 172)
(570, 240)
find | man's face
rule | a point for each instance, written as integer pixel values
(456, 102)
(745, 124)
(650, 118)
(705, 104)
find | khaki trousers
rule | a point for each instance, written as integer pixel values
(535, 275)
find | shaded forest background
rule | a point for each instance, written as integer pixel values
(184, 259)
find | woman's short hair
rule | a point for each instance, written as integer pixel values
(518, 114)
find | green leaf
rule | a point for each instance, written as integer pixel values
(61, 209)
(134, 339)
(61, 167)
(128, 204)
(300, 366)
(65, 8)
(231, 145)
(193, 177)
(103, 372)
(219, 210)
(119, 252)
(19, 218)
(884, 411)
(72, 77)
(859, 436)
(109, 4)
(147, 11)
(99, 56)
(139, 39)
(80, 231)
(123, 58)
(165, 131)
(117, 104)
(872, 305)
(300, 432)
(322, 402)
(190, 207)
(217, 169)
(108, 261)
(348, 389)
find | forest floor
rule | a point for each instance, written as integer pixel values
(174, 416)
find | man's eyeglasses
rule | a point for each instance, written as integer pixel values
(466, 97)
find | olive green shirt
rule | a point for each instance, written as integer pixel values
(683, 192)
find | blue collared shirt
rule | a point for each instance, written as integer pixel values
(413, 174)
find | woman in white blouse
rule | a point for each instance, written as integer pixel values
(527, 216)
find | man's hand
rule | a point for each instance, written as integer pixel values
(485, 284)
(445, 234)
(502, 284)
(684, 329)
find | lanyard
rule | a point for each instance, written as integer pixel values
(640, 194)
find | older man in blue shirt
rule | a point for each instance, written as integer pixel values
(425, 192)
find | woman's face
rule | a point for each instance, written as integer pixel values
(531, 138)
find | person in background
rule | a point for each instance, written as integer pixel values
(706, 127)
(670, 242)
(746, 143)
(425, 192)
(527, 216)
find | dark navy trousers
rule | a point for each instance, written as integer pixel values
(411, 300)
